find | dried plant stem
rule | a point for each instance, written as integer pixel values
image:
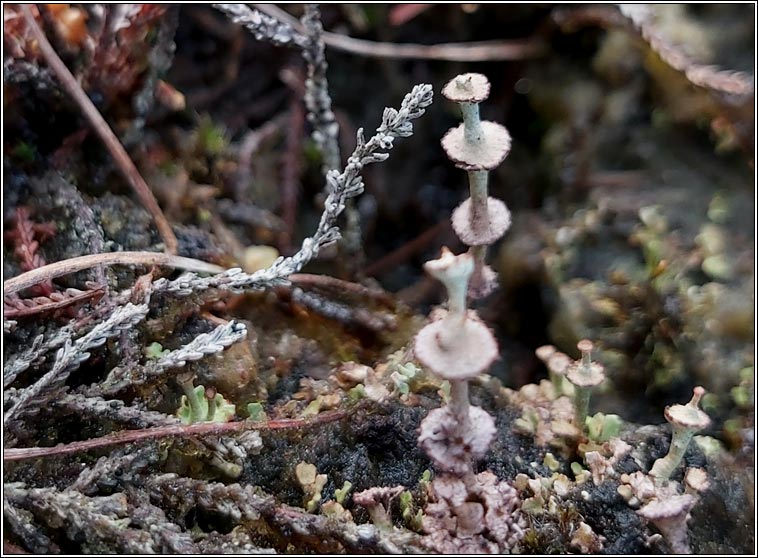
(292, 168)
(340, 187)
(404, 252)
(41, 344)
(339, 285)
(71, 356)
(199, 429)
(479, 51)
(120, 156)
(317, 99)
(72, 265)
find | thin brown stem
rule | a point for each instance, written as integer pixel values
(199, 429)
(339, 285)
(71, 265)
(112, 143)
(479, 51)
(401, 254)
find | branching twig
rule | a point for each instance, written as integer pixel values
(71, 356)
(201, 346)
(292, 167)
(41, 345)
(317, 99)
(72, 265)
(340, 187)
(114, 410)
(26, 236)
(120, 156)
(16, 307)
(262, 26)
(21, 524)
(712, 78)
(479, 51)
(198, 429)
(340, 286)
(345, 314)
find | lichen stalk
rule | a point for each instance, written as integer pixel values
(480, 255)
(584, 375)
(480, 217)
(459, 403)
(685, 421)
(665, 466)
(456, 282)
(472, 123)
(581, 406)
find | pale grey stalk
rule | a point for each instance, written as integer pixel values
(680, 441)
(317, 99)
(73, 354)
(20, 362)
(480, 216)
(262, 26)
(582, 394)
(472, 124)
(203, 345)
(114, 410)
(459, 404)
(340, 187)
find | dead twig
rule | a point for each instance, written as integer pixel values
(479, 51)
(71, 265)
(199, 429)
(345, 314)
(413, 246)
(112, 143)
(292, 160)
(26, 236)
(333, 284)
(248, 146)
(15, 307)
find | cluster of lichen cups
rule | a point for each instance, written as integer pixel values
(659, 498)
(458, 347)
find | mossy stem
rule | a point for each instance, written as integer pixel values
(665, 466)
(472, 124)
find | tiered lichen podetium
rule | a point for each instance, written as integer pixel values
(478, 147)
(467, 513)
(456, 348)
